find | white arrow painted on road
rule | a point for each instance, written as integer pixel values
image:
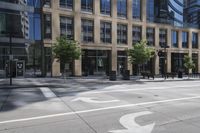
(128, 121)
(92, 100)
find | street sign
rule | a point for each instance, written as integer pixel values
(11, 57)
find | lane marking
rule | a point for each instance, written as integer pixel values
(127, 90)
(128, 121)
(47, 92)
(92, 100)
(98, 109)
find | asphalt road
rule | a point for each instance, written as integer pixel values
(98, 106)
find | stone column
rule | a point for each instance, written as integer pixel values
(55, 21)
(156, 67)
(55, 18)
(169, 43)
(56, 68)
(190, 46)
(114, 36)
(169, 62)
(96, 21)
(129, 64)
(143, 18)
(77, 36)
(179, 39)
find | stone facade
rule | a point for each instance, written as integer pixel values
(96, 16)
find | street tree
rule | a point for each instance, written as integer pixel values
(140, 53)
(66, 51)
(188, 63)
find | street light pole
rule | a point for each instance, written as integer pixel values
(165, 65)
(10, 58)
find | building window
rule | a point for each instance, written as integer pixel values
(122, 8)
(121, 34)
(136, 9)
(66, 27)
(184, 39)
(66, 4)
(87, 5)
(136, 34)
(195, 40)
(150, 10)
(105, 7)
(106, 31)
(47, 26)
(87, 30)
(163, 37)
(174, 39)
(47, 3)
(150, 36)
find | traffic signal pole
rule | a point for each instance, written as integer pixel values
(10, 58)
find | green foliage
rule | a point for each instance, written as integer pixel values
(66, 50)
(140, 53)
(188, 63)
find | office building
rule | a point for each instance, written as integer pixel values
(192, 13)
(106, 28)
(20, 33)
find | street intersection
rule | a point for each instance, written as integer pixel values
(100, 106)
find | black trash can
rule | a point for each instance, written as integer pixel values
(112, 76)
(126, 75)
(180, 74)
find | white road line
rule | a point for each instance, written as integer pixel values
(98, 109)
(140, 89)
(47, 92)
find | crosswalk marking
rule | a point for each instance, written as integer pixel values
(47, 92)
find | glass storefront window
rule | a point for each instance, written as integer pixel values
(122, 34)
(150, 36)
(122, 8)
(96, 62)
(87, 30)
(195, 40)
(174, 39)
(150, 10)
(67, 27)
(136, 9)
(136, 34)
(105, 7)
(87, 5)
(68, 4)
(184, 39)
(106, 32)
(163, 37)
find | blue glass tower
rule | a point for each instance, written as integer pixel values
(192, 13)
(20, 19)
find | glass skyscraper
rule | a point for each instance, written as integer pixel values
(165, 11)
(192, 13)
(21, 20)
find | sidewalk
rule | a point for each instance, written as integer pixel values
(29, 82)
